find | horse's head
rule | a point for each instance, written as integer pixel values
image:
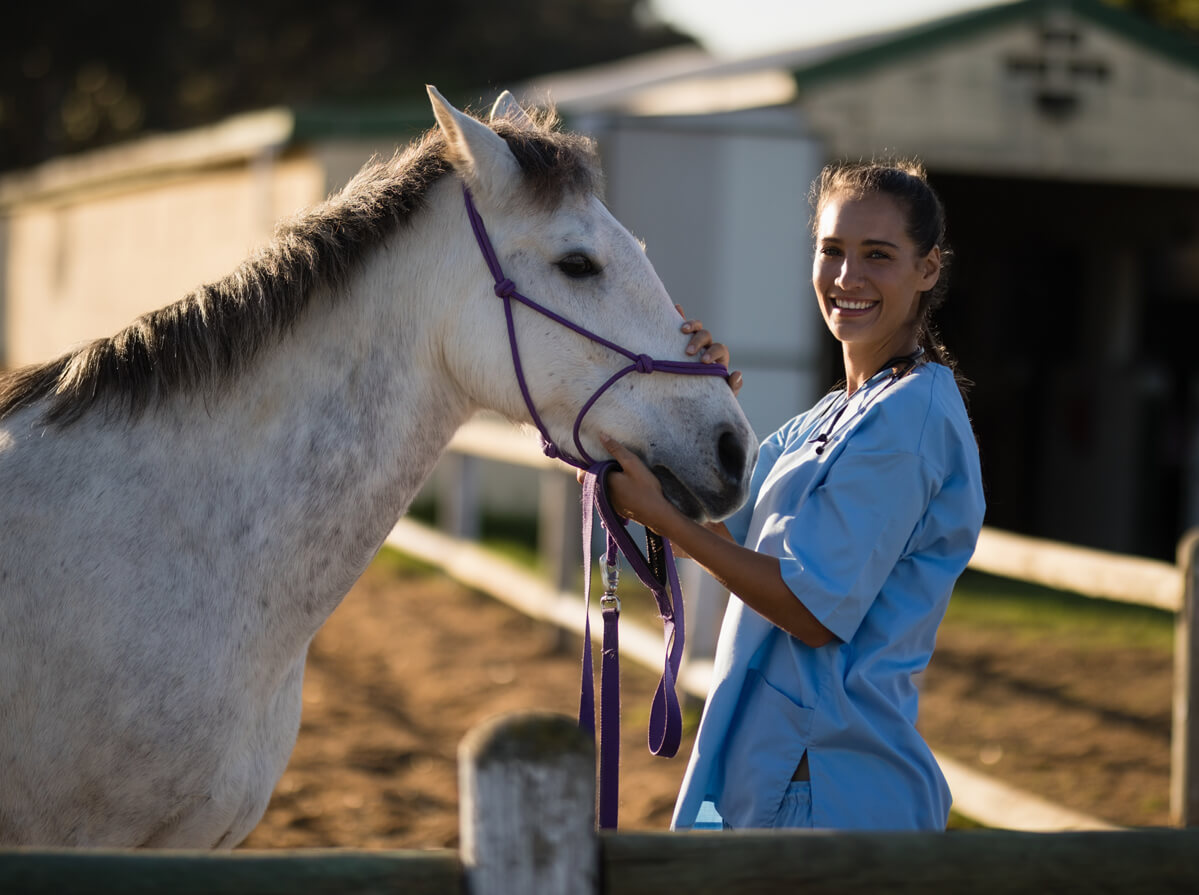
(537, 191)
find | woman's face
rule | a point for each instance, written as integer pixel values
(868, 275)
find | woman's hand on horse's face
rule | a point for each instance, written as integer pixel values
(633, 490)
(713, 352)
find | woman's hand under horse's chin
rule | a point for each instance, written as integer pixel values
(675, 493)
(647, 497)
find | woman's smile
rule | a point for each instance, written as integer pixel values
(853, 306)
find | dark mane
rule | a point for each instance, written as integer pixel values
(205, 339)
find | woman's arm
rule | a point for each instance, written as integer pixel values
(752, 576)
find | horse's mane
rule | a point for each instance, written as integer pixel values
(206, 338)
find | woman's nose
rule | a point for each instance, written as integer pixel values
(848, 276)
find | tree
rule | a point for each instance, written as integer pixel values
(75, 75)
(1178, 15)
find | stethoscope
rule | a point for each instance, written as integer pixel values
(902, 365)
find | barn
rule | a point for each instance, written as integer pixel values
(1062, 134)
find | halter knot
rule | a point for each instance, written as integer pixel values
(550, 449)
(504, 288)
(645, 363)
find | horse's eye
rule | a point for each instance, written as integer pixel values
(576, 266)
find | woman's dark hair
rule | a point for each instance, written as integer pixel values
(906, 182)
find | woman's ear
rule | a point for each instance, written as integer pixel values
(930, 269)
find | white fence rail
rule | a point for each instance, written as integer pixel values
(553, 597)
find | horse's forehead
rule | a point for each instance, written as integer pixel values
(589, 218)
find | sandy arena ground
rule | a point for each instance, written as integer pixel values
(411, 661)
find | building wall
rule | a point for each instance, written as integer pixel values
(81, 266)
(721, 204)
(1055, 97)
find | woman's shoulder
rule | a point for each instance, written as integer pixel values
(796, 427)
(923, 413)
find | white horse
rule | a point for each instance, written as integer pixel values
(184, 504)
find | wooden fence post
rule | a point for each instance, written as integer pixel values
(458, 495)
(1184, 746)
(559, 528)
(527, 807)
(705, 602)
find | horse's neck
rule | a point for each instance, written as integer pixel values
(333, 431)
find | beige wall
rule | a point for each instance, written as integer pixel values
(962, 108)
(82, 266)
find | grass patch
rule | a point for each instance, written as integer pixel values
(1031, 612)
(961, 822)
(512, 536)
(402, 565)
(980, 601)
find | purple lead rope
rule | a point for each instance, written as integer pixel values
(658, 574)
(657, 571)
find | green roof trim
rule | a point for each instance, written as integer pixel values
(400, 119)
(937, 33)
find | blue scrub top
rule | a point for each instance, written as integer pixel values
(871, 534)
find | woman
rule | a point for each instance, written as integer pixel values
(863, 511)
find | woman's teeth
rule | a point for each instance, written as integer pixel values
(846, 305)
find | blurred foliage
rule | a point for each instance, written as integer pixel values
(1178, 15)
(75, 75)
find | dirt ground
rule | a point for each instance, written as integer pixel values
(411, 661)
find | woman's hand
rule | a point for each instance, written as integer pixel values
(755, 577)
(712, 352)
(633, 490)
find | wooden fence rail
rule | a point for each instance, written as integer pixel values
(526, 821)
(1093, 573)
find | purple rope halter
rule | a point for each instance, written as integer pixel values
(657, 572)
(641, 363)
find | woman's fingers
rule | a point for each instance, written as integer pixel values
(700, 337)
(717, 353)
(701, 343)
(630, 464)
(633, 490)
(619, 452)
(735, 381)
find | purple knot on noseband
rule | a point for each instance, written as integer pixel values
(504, 288)
(550, 449)
(645, 363)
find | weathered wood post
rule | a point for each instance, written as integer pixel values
(705, 604)
(1184, 746)
(560, 528)
(458, 495)
(527, 807)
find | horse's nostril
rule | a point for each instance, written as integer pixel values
(731, 454)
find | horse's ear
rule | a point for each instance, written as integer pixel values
(506, 106)
(478, 154)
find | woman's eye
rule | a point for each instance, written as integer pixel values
(577, 266)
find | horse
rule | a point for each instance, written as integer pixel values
(184, 503)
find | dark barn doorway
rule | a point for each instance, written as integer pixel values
(1074, 308)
